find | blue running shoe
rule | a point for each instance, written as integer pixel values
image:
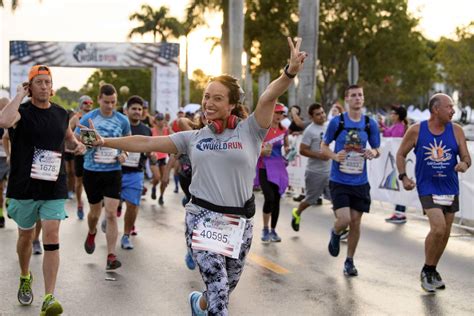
(190, 261)
(80, 212)
(349, 268)
(333, 246)
(266, 235)
(274, 236)
(126, 242)
(194, 298)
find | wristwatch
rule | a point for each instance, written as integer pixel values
(285, 70)
(401, 176)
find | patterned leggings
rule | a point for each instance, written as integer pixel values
(220, 273)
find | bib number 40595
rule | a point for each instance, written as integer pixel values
(219, 233)
(215, 236)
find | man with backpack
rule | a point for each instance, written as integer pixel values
(349, 185)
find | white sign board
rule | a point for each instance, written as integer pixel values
(383, 178)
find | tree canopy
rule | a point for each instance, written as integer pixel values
(137, 80)
(156, 22)
(394, 59)
(456, 59)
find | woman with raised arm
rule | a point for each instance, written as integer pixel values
(219, 218)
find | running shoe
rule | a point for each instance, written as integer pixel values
(80, 212)
(112, 262)
(345, 234)
(160, 200)
(333, 246)
(2, 222)
(349, 268)
(89, 245)
(119, 210)
(266, 235)
(126, 242)
(396, 219)
(299, 198)
(189, 261)
(103, 225)
(25, 292)
(37, 250)
(427, 281)
(438, 281)
(51, 306)
(176, 190)
(134, 231)
(274, 236)
(194, 298)
(295, 220)
(153, 193)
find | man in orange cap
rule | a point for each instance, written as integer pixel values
(39, 131)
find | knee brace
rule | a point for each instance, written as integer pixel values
(50, 247)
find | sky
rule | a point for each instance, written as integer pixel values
(107, 21)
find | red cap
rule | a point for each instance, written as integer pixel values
(279, 108)
(39, 70)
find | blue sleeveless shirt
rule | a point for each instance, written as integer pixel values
(436, 156)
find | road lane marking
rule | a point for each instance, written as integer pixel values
(267, 264)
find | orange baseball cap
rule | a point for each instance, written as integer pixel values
(39, 70)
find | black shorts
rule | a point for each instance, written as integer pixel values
(79, 166)
(68, 156)
(102, 184)
(427, 203)
(356, 197)
(159, 162)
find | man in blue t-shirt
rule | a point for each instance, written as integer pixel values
(349, 185)
(437, 143)
(103, 171)
(132, 170)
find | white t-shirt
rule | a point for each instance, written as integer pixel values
(223, 164)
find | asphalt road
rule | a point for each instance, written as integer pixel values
(294, 277)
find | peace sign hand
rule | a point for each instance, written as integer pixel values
(296, 57)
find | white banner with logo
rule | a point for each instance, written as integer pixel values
(167, 89)
(24, 54)
(383, 177)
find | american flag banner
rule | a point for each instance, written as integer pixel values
(46, 165)
(27, 53)
(90, 54)
(162, 57)
(218, 233)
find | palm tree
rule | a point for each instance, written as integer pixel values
(218, 5)
(155, 22)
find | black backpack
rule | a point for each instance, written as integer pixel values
(341, 126)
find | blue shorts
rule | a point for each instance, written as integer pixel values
(132, 186)
(26, 212)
